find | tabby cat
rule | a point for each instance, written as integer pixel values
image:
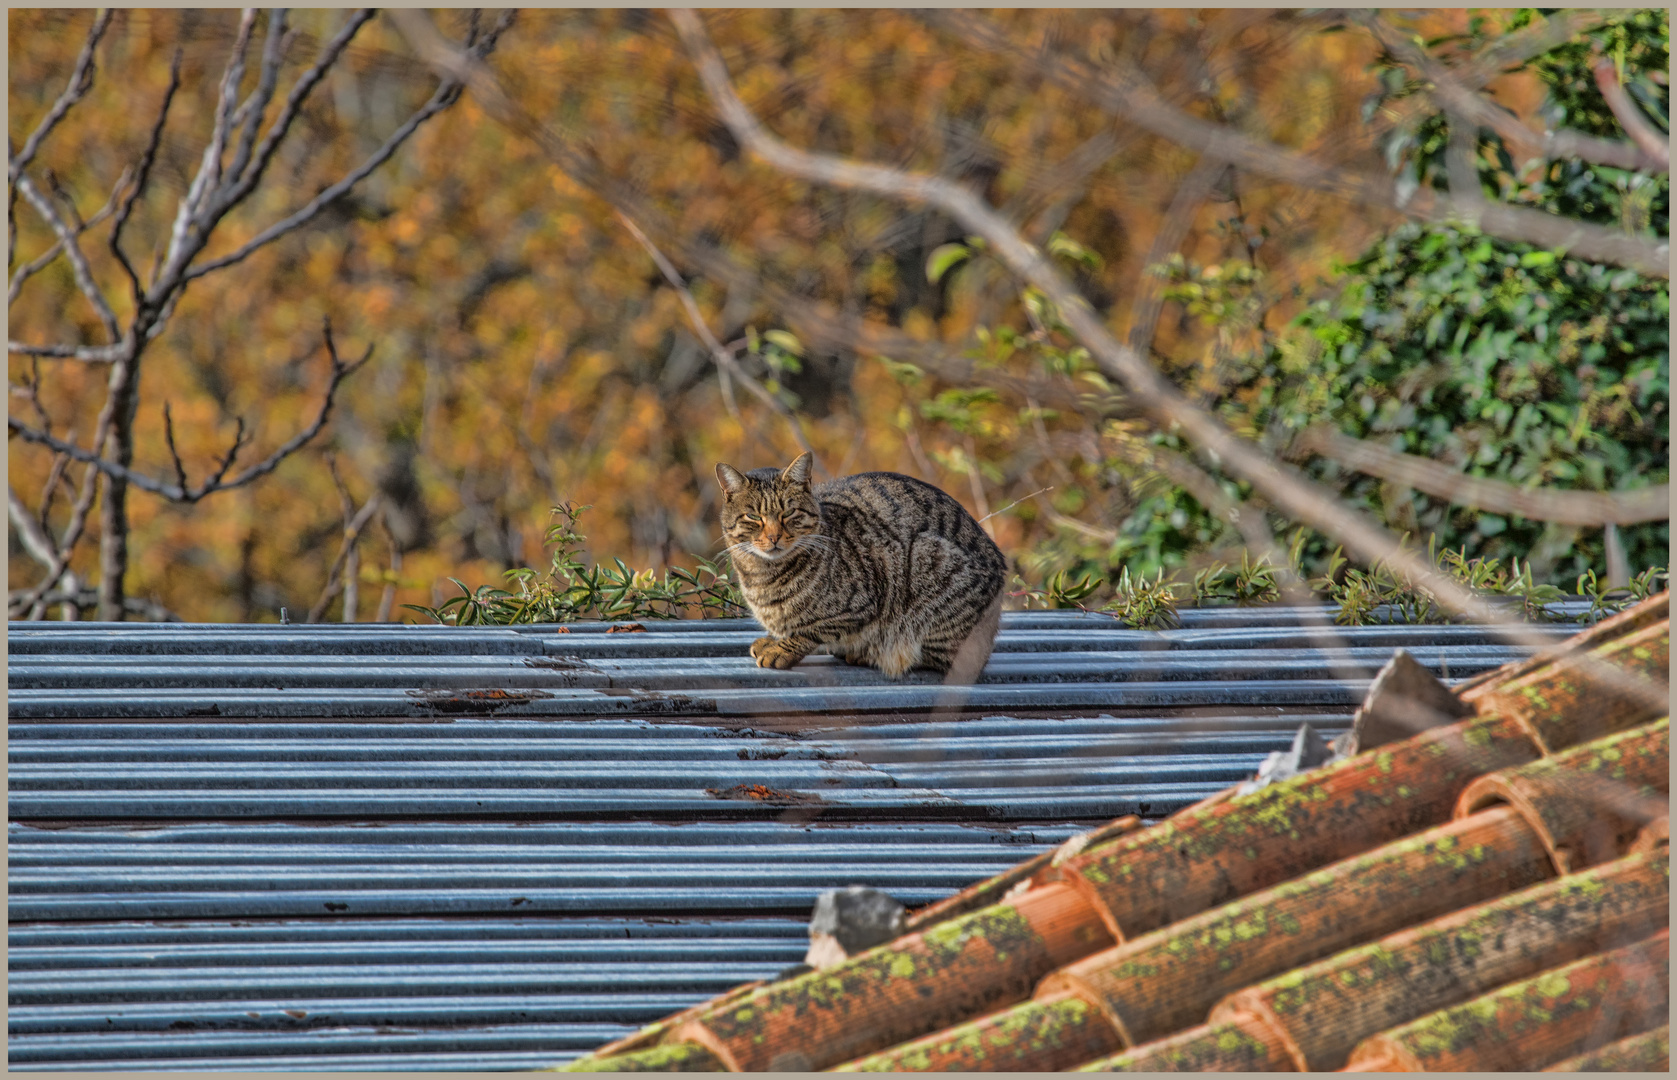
(880, 568)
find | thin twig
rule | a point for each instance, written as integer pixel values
(253, 107)
(81, 80)
(725, 361)
(446, 94)
(181, 492)
(29, 532)
(174, 455)
(1512, 50)
(1015, 502)
(1655, 146)
(142, 174)
(1179, 217)
(45, 259)
(353, 524)
(813, 321)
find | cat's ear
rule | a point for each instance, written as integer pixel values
(798, 471)
(731, 479)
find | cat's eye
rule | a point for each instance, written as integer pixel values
(751, 519)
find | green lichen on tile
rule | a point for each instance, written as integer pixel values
(1477, 736)
(669, 1057)
(1030, 1035)
(1648, 1052)
(1221, 1047)
(1612, 755)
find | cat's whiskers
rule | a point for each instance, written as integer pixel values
(814, 541)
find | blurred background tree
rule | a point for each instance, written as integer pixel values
(530, 351)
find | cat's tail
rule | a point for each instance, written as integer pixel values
(974, 652)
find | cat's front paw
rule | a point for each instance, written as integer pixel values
(773, 653)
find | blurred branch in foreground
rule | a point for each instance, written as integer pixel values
(1589, 508)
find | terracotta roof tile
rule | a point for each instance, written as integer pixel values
(1648, 1052)
(1323, 1010)
(1534, 1022)
(1489, 894)
(1239, 1044)
(1199, 859)
(1573, 699)
(1589, 803)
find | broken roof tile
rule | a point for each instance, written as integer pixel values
(1589, 803)
(1586, 695)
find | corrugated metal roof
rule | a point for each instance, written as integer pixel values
(1491, 893)
(391, 847)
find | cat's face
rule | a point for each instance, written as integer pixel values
(769, 512)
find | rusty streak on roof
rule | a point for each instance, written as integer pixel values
(1488, 894)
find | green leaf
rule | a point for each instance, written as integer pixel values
(907, 374)
(1064, 246)
(785, 340)
(942, 258)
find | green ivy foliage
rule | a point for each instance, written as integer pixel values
(1506, 361)
(1500, 359)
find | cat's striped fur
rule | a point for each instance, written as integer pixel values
(880, 568)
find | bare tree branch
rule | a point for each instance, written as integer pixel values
(231, 166)
(251, 110)
(1655, 147)
(1125, 91)
(191, 227)
(142, 175)
(352, 533)
(91, 354)
(1590, 508)
(182, 492)
(174, 455)
(72, 251)
(81, 79)
(32, 600)
(724, 359)
(29, 532)
(814, 322)
(45, 259)
(1455, 97)
(239, 186)
(446, 94)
